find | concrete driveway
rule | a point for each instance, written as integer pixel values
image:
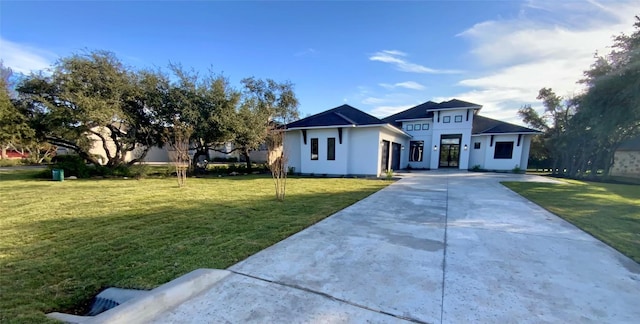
(434, 247)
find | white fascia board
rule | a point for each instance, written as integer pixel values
(319, 127)
(389, 127)
(414, 119)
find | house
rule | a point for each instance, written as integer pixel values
(450, 134)
(626, 159)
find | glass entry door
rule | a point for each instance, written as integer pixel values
(450, 151)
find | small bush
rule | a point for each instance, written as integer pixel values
(476, 168)
(73, 165)
(10, 162)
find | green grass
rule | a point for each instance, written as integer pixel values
(63, 242)
(610, 212)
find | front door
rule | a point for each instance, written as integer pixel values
(450, 151)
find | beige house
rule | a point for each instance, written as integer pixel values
(626, 161)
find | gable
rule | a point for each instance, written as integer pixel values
(344, 115)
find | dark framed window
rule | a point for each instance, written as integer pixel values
(504, 150)
(476, 145)
(446, 119)
(409, 127)
(314, 148)
(416, 127)
(416, 151)
(458, 118)
(425, 126)
(331, 148)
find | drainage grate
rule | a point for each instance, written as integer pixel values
(112, 297)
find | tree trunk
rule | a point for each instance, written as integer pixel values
(3, 152)
(247, 157)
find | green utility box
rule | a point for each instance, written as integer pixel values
(58, 174)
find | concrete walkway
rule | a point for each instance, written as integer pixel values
(434, 247)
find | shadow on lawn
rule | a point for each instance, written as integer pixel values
(59, 263)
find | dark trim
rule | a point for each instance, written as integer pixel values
(519, 137)
(304, 136)
(467, 114)
(438, 116)
(340, 135)
(491, 145)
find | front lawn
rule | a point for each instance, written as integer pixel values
(610, 212)
(63, 242)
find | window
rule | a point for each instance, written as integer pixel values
(425, 126)
(409, 127)
(504, 150)
(476, 145)
(458, 119)
(331, 148)
(314, 148)
(416, 127)
(446, 119)
(415, 153)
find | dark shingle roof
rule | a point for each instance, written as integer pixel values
(419, 111)
(425, 110)
(455, 103)
(339, 116)
(632, 144)
(484, 125)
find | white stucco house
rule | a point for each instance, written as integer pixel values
(450, 134)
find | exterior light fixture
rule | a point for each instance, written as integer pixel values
(435, 147)
(466, 147)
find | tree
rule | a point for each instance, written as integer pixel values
(266, 105)
(207, 105)
(583, 133)
(14, 129)
(92, 99)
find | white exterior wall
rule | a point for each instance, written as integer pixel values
(421, 135)
(322, 165)
(526, 146)
(452, 128)
(292, 146)
(503, 164)
(477, 157)
(364, 151)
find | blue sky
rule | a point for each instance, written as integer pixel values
(380, 57)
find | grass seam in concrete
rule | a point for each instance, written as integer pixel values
(325, 295)
(444, 252)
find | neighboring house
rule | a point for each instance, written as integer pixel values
(626, 159)
(450, 134)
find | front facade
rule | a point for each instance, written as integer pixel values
(347, 141)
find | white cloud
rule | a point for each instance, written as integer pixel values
(384, 111)
(306, 52)
(396, 58)
(549, 45)
(23, 58)
(407, 84)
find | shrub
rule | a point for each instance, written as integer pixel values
(73, 165)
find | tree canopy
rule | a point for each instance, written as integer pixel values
(581, 134)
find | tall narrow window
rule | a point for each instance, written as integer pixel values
(314, 148)
(331, 148)
(504, 150)
(416, 151)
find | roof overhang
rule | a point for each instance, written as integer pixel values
(456, 108)
(412, 119)
(385, 126)
(516, 133)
